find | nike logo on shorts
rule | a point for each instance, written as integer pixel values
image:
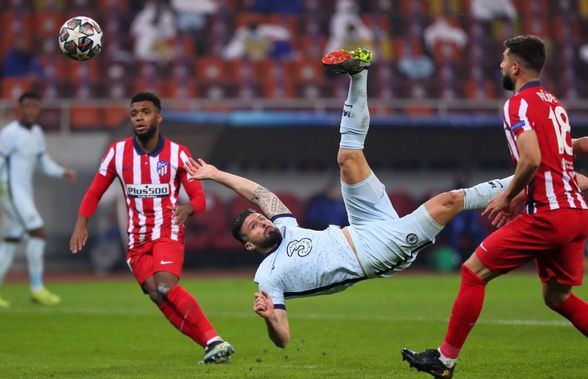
(162, 262)
(482, 247)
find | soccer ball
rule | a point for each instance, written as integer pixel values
(80, 38)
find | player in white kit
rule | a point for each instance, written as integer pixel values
(304, 262)
(22, 147)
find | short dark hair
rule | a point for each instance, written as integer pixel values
(530, 49)
(237, 224)
(147, 96)
(29, 95)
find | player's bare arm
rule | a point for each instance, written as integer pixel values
(79, 237)
(276, 320)
(580, 145)
(582, 182)
(181, 213)
(269, 203)
(529, 161)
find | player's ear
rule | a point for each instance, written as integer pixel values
(159, 117)
(249, 246)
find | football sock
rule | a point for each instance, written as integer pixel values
(449, 362)
(34, 250)
(465, 312)
(478, 196)
(190, 312)
(7, 250)
(356, 116)
(178, 321)
(575, 310)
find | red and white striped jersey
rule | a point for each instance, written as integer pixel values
(151, 184)
(554, 185)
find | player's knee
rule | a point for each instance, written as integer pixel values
(163, 288)
(346, 157)
(451, 200)
(552, 300)
(156, 297)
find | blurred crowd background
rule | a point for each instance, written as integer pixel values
(243, 87)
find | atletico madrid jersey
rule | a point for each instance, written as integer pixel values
(554, 185)
(151, 183)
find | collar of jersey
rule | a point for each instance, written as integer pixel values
(535, 83)
(155, 152)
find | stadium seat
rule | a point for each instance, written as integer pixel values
(85, 117)
(403, 202)
(205, 227)
(13, 87)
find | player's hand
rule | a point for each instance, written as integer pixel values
(497, 206)
(200, 170)
(181, 212)
(263, 305)
(70, 175)
(79, 237)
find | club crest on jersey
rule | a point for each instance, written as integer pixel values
(302, 247)
(162, 167)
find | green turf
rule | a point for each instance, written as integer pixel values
(110, 330)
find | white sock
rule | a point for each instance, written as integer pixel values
(214, 339)
(355, 120)
(478, 196)
(34, 249)
(449, 362)
(7, 250)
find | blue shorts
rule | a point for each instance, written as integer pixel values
(385, 243)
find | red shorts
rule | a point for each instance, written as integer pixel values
(555, 239)
(163, 254)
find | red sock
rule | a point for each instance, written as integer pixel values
(465, 312)
(575, 310)
(189, 310)
(178, 321)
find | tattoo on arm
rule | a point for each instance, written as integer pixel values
(269, 203)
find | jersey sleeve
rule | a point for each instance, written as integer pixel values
(517, 118)
(193, 187)
(285, 219)
(48, 165)
(273, 289)
(5, 148)
(104, 177)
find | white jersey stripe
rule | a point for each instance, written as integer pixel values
(568, 188)
(523, 114)
(509, 137)
(118, 160)
(138, 201)
(103, 170)
(553, 204)
(157, 209)
(174, 155)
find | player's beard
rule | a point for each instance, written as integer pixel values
(274, 239)
(147, 134)
(508, 83)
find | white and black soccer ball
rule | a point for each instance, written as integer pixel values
(80, 38)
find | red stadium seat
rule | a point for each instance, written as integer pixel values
(85, 117)
(13, 87)
(403, 202)
(208, 225)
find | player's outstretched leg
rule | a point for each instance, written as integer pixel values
(35, 248)
(355, 119)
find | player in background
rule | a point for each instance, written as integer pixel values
(151, 169)
(303, 262)
(22, 148)
(552, 230)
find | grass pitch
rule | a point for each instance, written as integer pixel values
(109, 329)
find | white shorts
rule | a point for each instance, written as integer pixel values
(384, 242)
(19, 214)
